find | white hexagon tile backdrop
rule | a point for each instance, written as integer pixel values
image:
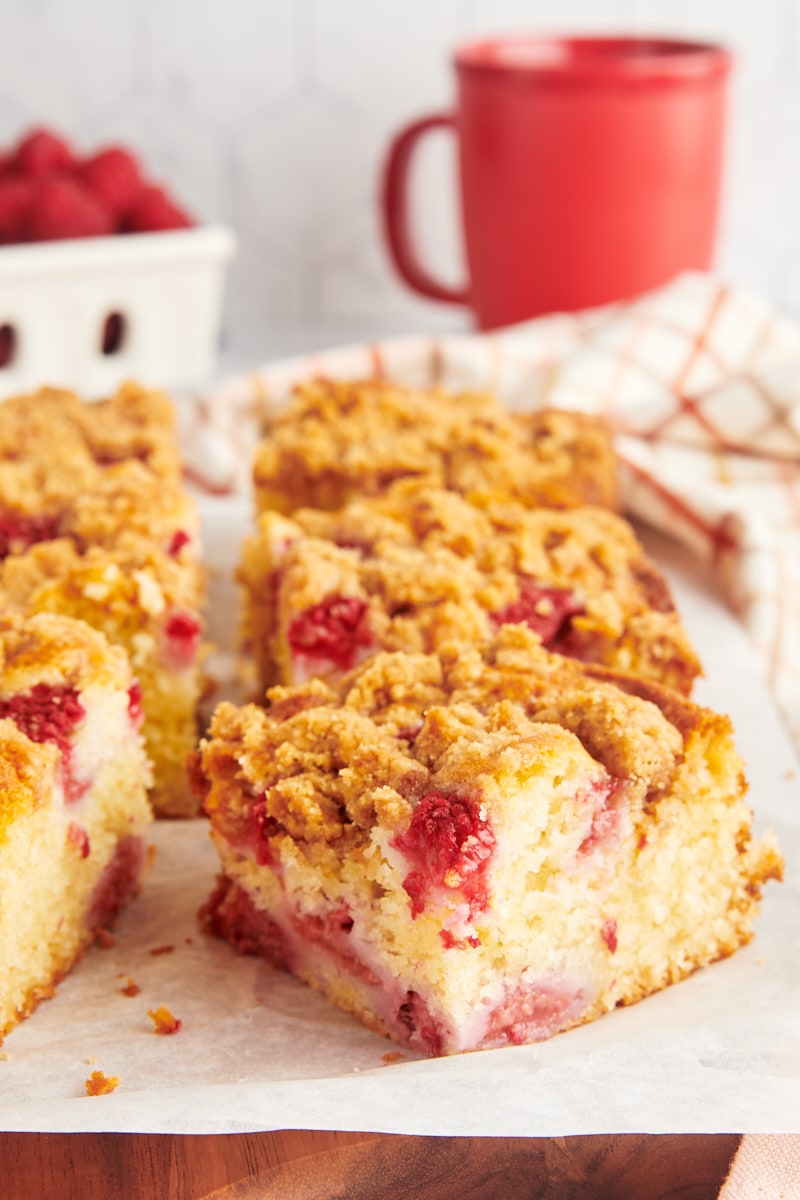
(273, 116)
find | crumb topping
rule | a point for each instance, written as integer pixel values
(325, 764)
(126, 589)
(341, 438)
(420, 566)
(95, 473)
(55, 651)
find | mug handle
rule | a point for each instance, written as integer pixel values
(397, 226)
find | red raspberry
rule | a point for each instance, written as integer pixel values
(135, 711)
(79, 839)
(47, 713)
(449, 844)
(180, 538)
(41, 152)
(603, 796)
(64, 208)
(114, 178)
(546, 610)
(154, 211)
(332, 630)
(609, 934)
(422, 1028)
(18, 531)
(182, 639)
(16, 194)
(262, 827)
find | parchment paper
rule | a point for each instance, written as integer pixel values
(719, 1052)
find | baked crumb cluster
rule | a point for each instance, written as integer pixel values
(338, 440)
(420, 566)
(73, 799)
(95, 524)
(470, 811)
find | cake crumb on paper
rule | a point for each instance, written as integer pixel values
(163, 1020)
(158, 950)
(99, 1084)
(130, 988)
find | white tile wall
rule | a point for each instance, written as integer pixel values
(273, 116)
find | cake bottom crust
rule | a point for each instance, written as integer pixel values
(524, 1011)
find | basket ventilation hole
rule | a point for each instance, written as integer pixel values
(114, 330)
(8, 345)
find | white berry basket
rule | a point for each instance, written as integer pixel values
(87, 314)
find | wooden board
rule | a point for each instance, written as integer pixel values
(310, 1165)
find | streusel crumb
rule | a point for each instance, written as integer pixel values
(420, 566)
(338, 439)
(99, 1084)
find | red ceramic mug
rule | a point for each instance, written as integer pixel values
(590, 171)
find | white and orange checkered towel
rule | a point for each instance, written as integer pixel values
(764, 1168)
(701, 383)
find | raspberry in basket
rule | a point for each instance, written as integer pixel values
(62, 207)
(154, 211)
(41, 152)
(113, 175)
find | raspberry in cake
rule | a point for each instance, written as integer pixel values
(73, 800)
(146, 601)
(477, 848)
(420, 566)
(338, 439)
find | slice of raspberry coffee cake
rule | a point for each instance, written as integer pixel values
(471, 849)
(420, 566)
(338, 439)
(73, 800)
(95, 523)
